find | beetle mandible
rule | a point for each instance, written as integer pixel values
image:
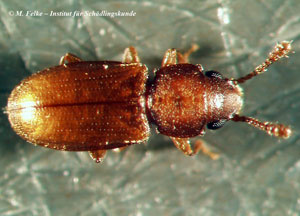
(99, 105)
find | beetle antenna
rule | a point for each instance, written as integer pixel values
(278, 130)
(280, 50)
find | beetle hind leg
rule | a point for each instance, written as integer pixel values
(184, 145)
(69, 57)
(98, 155)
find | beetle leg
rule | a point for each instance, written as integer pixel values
(98, 155)
(184, 58)
(201, 146)
(119, 149)
(69, 57)
(130, 55)
(172, 56)
(183, 144)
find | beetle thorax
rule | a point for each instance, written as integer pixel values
(182, 100)
(176, 101)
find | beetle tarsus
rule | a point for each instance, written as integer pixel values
(200, 146)
(184, 145)
(184, 58)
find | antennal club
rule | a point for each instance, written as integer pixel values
(280, 50)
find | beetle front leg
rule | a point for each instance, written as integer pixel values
(184, 58)
(173, 56)
(201, 146)
(69, 57)
(130, 55)
(184, 145)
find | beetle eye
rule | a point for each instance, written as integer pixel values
(213, 74)
(216, 124)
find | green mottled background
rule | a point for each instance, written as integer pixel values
(255, 175)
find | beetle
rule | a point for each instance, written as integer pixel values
(100, 105)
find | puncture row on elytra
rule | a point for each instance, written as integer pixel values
(99, 105)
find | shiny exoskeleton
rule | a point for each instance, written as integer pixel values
(99, 105)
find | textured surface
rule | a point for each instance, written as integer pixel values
(255, 175)
(183, 100)
(177, 102)
(82, 106)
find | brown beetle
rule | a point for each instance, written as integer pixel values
(99, 105)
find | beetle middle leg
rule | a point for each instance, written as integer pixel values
(184, 145)
(69, 57)
(131, 56)
(173, 56)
